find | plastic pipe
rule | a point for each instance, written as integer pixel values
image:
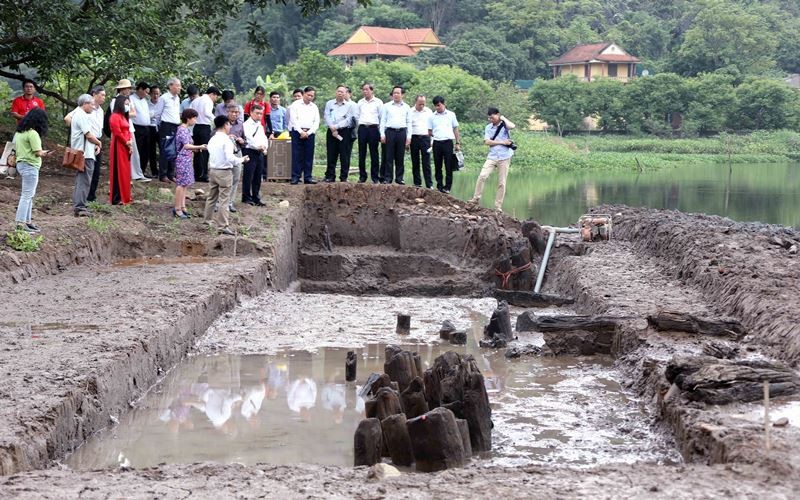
(550, 240)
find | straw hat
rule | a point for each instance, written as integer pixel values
(124, 84)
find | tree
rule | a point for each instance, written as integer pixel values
(561, 102)
(481, 51)
(604, 100)
(765, 103)
(726, 34)
(711, 101)
(102, 40)
(465, 94)
(312, 68)
(653, 101)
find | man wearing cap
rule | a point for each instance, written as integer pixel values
(204, 105)
(26, 102)
(168, 118)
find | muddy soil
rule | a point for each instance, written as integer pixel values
(82, 339)
(304, 481)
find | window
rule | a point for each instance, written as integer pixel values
(612, 70)
(349, 60)
(372, 58)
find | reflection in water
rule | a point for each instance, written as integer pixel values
(764, 193)
(295, 407)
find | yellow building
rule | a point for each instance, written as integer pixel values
(596, 60)
(373, 42)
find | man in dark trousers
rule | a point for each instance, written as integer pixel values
(443, 128)
(339, 115)
(421, 142)
(396, 134)
(368, 117)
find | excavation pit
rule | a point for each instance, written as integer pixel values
(293, 406)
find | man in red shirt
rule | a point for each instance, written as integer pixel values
(26, 102)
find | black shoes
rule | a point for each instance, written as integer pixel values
(310, 181)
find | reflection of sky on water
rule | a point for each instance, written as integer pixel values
(295, 407)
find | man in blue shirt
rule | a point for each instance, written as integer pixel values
(395, 128)
(277, 114)
(501, 149)
(339, 115)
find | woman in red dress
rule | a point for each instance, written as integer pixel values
(119, 165)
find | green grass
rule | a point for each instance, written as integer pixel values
(99, 208)
(22, 241)
(100, 224)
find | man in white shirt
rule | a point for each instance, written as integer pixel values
(339, 115)
(396, 134)
(82, 137)
(152, 145)
(221, 161)
(168, 118)
(96, 117)
(141, 125)
(420, 142)
(303, 125)
(204, 105)
(255, 147)
(368, 111)
(443, 128)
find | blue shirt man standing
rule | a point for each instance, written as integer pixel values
(501, 149)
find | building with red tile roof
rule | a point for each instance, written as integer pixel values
(374, 42)
(596, 60)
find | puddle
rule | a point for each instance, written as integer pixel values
(294, 407)
(786, 407)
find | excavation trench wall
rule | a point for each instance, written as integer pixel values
(384, 240)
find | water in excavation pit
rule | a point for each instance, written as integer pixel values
(295, 407)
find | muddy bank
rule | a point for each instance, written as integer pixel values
(638, 274)
(302, 481)
(748, 271)
(79, 347)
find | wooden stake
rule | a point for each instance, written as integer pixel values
(767, 443)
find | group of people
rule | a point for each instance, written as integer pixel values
(199, 139)
(392, 127)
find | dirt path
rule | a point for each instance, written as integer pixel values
(265, 481)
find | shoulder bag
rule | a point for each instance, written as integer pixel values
(74, 159)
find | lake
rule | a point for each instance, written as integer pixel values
(764, 193)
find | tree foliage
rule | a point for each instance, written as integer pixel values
(102, 40)
(669, 104)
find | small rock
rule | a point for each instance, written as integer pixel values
(793, 249)
(458, 337)
(199, 192)
(493, 343)
(447, 328)
(781, 422)
(284, 204)
(419, 200)
(381, 471)
(165, 191)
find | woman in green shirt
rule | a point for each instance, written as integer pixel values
(28, 144)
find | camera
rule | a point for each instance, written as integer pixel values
(513, 146)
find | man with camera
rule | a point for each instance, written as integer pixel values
(501, 149)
